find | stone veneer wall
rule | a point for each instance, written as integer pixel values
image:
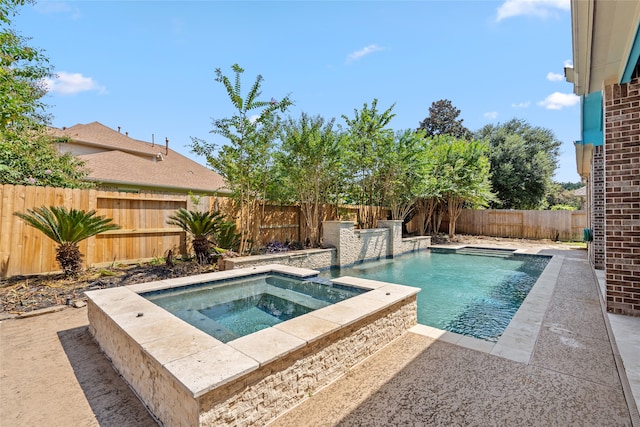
(596, 208)
(309, 258)
(354, 246)
(349, 246)
(263, 394)
(165, 397)
(622, 197)
(267, 393)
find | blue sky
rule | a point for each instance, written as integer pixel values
(148, 66)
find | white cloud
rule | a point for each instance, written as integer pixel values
(557, 101)
(554, 77)
(521, 104)
(568, 63)
(71, 83)
(491, 115)
(368, 50)
(539, 8)
(48, 7)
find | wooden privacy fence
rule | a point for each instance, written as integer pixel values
(144, 232)
(142, 217)
(554, 225)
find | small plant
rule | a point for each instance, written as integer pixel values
(201, 226)
(227, 237)
(195, 199)
(157, 261)
(105, 273)
(296, 245)
(67, 228)
(275, 246)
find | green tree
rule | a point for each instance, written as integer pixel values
(67, 228)
(22, 73)
(443, 120)
(30, 157)
(405, 173)
(368, 144)
(245, 162)
(27, 154)
(561, 196)
(465, 180)
(456, 175)
(308, 164)
(201, 226)
(523, 160)
(430, 198)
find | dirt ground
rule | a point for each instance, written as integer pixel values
(22, 294)
(52, 373)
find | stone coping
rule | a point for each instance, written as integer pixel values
(519, 338)
(201, 363)
(222, 275)
(287, 254)
(370, 230)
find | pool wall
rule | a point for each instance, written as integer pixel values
(348, 247)
(188, 378)
(308, 258)
(355, 246)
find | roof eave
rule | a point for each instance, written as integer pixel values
(604, 31)
(171, 187)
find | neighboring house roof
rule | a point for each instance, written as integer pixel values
(580, 192)
(114, 158)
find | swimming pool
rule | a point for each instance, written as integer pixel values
(230, 309)
(474, 295)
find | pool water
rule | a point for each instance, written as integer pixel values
(231, 309)
(468, 294)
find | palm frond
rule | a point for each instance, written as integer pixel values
(64, 225)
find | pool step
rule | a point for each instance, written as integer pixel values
(500, 253)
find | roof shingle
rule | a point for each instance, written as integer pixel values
(119, 159)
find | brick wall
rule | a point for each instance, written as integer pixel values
(596, 208)
(622, 197)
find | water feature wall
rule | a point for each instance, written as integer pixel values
(354, 246)
(345, 246)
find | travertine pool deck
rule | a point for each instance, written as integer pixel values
(569, 377)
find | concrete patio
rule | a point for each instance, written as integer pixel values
(52, 373)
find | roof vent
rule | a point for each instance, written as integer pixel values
(159, 157)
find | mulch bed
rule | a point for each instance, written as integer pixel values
(22, 294)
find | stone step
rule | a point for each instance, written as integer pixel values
(501, 253)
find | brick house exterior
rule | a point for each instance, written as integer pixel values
(622, 196)
(606, 75)
(596, 208)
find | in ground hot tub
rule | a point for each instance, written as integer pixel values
(230, 309)
(186, 377)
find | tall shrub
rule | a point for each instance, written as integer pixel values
(245, 161)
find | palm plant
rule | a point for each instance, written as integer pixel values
(226, 237)
(201, 226)
(67, 228)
